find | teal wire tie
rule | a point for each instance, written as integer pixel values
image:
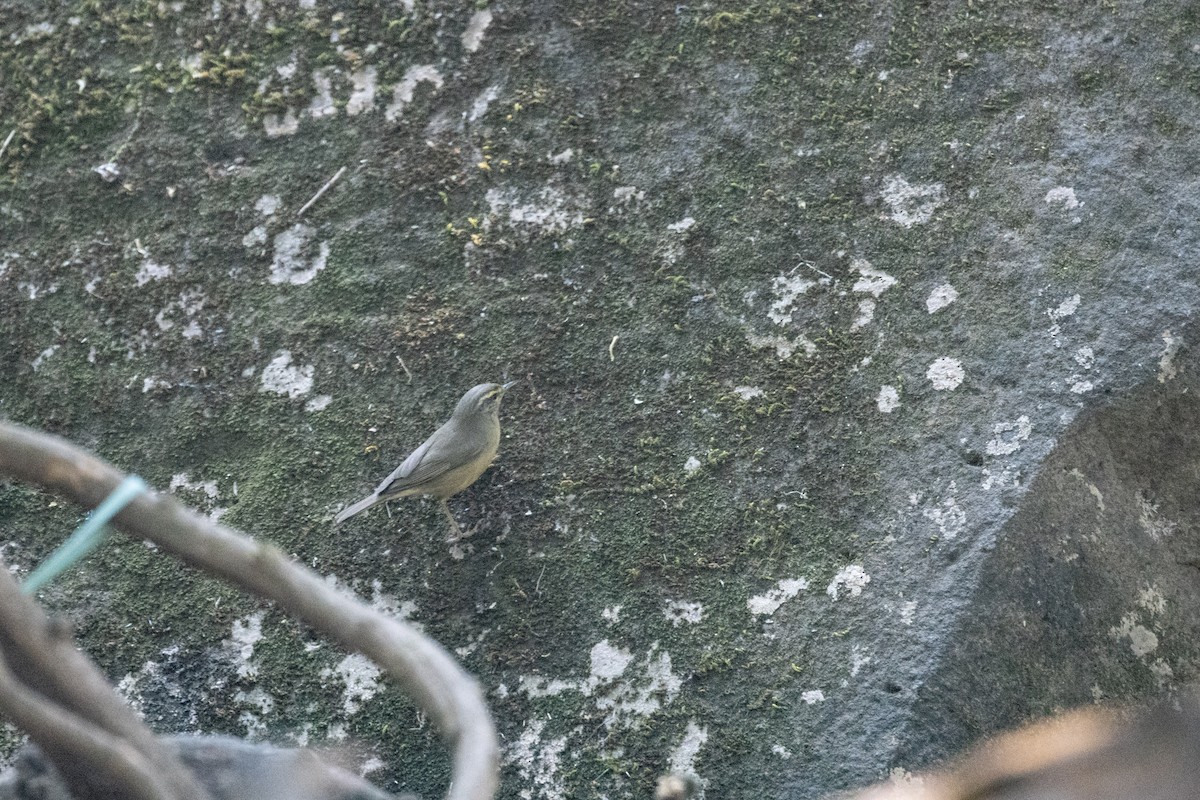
(87, 537)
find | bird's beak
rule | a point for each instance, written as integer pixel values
(509, 385)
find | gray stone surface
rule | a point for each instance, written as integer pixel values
(815, 304)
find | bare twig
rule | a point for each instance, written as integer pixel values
(55, 694)
(7, 140)
(320, 192)
(404, 367)
(110, 759)
(450, 696)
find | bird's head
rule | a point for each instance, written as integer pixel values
(482, 399)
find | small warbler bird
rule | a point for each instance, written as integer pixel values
(450, 460)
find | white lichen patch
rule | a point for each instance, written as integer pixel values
(192, 64)
(182, 480)
(285, 124)
(692, 465)
(362, 96)
(290, 264)
(267, 205)
(360, 678)
(33, 290)
(1063, 197)
(871, 281)
(551, 212)
(787, 289)
(612, 614)
(853, 579)
(535, 686)
(946, 374)
(538, 762)
(781, 751)
(683, 757)
(630, 701)
(1007, 436)
(1152, 600)
(10, 256)
(263, 703)
(108, 171)
(888, 399)
(41, 357)
(866, 313)
(472, 37)
(940, 297)
(812, 697)
(1161, 671)
(160, 319)
(1065, 309)
(369, 765)
(322, 104)
(208, 489)
(1150, 521)
(1060, 312)
(858, 660)
(678, 612)
(947, 516)
(748, 393)
(783, 346)
(280, 377)
(151, 271)
(1085, 357)
(190, 302)
(255, 238)
(908, 612)
(1142, 641)
(608, 662)
(391, 606)
(482, 102)
(403, 92)
(912, 204)
(318, 403)
(1092, 488)
(681, 226)
(769, 602)
(245, 634)
(627, 195)
(628, 695)
(899, 776)
(1166, 362)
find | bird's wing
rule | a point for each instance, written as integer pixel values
(422, 465)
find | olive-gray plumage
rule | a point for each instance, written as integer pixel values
(450, 460)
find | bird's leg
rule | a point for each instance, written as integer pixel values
(455, 531)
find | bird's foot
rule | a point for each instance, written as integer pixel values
(459, 534)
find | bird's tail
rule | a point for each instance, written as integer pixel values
(361, 505)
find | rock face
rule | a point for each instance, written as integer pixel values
(858, 401)
(1091, 592)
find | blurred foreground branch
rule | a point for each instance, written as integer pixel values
(450, 696)
(1086, 754)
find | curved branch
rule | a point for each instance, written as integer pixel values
(69, 739)
(84, 719)
(450, 696)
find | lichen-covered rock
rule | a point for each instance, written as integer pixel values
(806, 297)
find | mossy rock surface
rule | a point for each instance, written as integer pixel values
(803, 297)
